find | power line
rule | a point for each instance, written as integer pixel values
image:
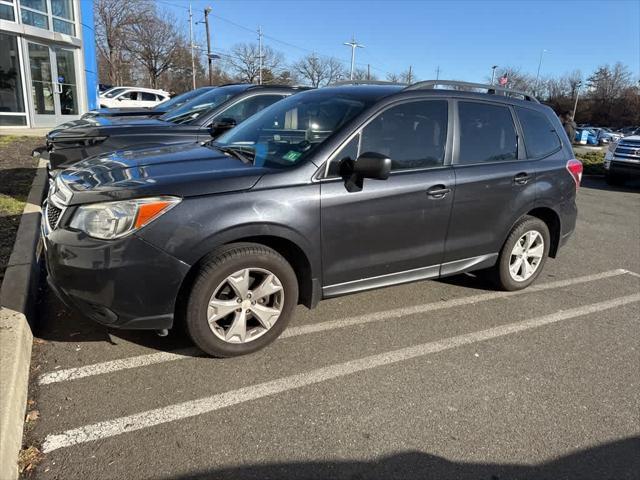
(277, 40)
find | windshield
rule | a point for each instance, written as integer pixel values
(202, 104)
(287, 132)
(113, 92)
(181, 99)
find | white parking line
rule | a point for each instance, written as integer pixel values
(201, 406)
(161, 357)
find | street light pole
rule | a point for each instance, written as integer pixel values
(539, 66)
(353, 44)
(260, 55)
(493, 74)
(207, 11)
(193, 61)
(575, 105)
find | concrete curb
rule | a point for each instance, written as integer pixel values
(17, 309)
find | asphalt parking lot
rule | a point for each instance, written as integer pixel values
(438, 379)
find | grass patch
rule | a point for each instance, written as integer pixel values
(7, 139)
(593, 162)
(17, 168)
(10, 205)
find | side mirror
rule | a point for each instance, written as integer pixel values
(372, 165)
(220, 126)
(368, 165)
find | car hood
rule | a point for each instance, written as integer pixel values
(184, 170)
(105, 126)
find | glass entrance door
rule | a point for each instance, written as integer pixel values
(66, 82)
(53, 85)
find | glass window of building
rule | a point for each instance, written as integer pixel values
(12, 111)
(6, 10)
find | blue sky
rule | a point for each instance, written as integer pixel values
(463, 37)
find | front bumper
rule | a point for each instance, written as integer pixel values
(125, 283)
(624, 169)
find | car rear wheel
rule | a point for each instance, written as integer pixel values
(242, 299)
(523, 254)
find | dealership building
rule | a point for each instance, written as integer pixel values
(48, 71)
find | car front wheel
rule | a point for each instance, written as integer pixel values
(242, 299)
(523, 254)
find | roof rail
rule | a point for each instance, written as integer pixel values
(490, 89)
(364, 82)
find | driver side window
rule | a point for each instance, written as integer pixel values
(413, 135)
(249, 106)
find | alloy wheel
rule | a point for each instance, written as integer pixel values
(526, 256)
(245, 305)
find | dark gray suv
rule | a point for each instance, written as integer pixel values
(325, 193)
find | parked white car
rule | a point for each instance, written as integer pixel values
(119, 97)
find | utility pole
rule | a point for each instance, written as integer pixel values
(193, 61)
(260, 55)
(575, 105)
(493, 74)
(353, 44)
(410, 76)
(538, 74)
(368, 71)
(438, 73)
(207, 11)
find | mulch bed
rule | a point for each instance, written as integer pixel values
(17, 169)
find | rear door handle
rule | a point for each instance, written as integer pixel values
(438, 191)
(521, 178)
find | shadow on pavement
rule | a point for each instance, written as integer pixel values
(619, 460)
(58, 323)
(599, 183)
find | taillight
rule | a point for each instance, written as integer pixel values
(574, 167)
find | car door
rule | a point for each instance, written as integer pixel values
(494, 183)
(391, 230)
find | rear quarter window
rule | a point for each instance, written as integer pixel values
(540, 137)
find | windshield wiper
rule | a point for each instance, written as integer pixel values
(234, 151)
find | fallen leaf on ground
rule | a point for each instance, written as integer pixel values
(33, 415)
(29, 458)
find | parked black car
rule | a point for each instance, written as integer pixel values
(207, 115)
(156, 111)
(325, 193)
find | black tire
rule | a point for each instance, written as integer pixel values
(501, 274)
(213, 271)
(613, 180)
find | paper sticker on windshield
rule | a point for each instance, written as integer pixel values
(291, 156)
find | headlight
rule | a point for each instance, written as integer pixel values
(110, 220)
(613, 145)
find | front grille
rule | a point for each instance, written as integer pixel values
(628, 149)
(53, 215)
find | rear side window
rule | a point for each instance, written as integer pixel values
(412, 135)
(147, 97)
(487, 134)
(540, 138)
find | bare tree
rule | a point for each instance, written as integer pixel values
(245, 62)
(318, 71)
(517, 80)
(394, 77)
(155, 43)
(364, 74)
(608, 83)
(113, 19)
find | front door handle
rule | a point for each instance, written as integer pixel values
(438, 191)
(521, 178)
